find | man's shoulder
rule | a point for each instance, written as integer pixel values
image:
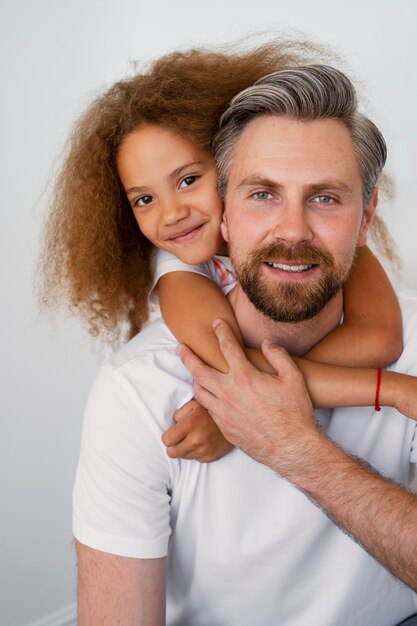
(154, 338)
(148, 365)
(144, 379)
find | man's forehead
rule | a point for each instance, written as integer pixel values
(297, 147)
(270, 131)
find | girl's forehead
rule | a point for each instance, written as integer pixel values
(151, 154)
(151, 143)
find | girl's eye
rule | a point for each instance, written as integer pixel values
(262, 195)
(187, 181)
(143, 200)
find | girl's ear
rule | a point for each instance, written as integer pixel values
(368, 217)
(224, 228)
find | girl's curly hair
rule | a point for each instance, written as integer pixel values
(94, 257)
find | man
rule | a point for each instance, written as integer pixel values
(242, 541)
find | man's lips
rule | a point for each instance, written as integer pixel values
(186, 234)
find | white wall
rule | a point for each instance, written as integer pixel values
(54, 57)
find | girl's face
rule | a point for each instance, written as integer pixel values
(171, 185)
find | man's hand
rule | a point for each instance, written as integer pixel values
(271, 419)
(195, 435)
(265, 416)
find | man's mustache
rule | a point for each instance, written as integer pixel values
(304, 254)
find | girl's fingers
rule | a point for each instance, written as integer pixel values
(174, 435)
(180, 451)
(189, 407)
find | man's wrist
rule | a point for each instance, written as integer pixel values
(320, 462)
(299, 462)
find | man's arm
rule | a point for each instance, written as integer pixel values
(271, 419)
(119, 590)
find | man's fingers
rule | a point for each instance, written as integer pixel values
(205, 397)
(280, 360)
(284, 366)
(229, 345)
(200, 372)
(232, 351)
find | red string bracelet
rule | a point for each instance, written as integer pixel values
(378, 387)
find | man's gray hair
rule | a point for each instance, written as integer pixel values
(308, 92)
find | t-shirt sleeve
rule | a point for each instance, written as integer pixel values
(121, 500)
(164, 262)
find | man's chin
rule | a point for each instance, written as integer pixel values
(291, 303)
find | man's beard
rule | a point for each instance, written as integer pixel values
(290, 301)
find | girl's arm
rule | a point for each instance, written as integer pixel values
(371, 333)
(190, 302)
(332, 386)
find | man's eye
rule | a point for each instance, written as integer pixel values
(143, 200)
(323, 199)
(262, 195)
(187, 181)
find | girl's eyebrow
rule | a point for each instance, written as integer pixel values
(181, 168)
(177, 172)
(135, 190)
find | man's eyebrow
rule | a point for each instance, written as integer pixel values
(337, 185)
(259, 180)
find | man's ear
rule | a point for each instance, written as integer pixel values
(224, 228)
(368, 217)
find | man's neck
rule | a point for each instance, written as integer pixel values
(296, 338)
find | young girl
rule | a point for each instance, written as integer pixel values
(144, 145)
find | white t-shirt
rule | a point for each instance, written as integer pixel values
(244, 546)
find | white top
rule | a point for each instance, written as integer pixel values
(244, 546)
(219, 269)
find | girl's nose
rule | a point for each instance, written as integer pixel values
(174, 210)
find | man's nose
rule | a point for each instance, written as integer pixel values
(293, 225)
(174, 209)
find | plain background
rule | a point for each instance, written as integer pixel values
(56, 56)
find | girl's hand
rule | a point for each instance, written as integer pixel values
(195, 435)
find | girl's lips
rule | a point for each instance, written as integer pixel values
(187, 235)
